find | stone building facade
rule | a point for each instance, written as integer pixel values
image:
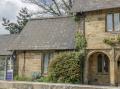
(42, 38)
(101, 21)
(95, 33)
(31, 62)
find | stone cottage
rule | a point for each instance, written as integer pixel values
(42, 38)
(39, 41)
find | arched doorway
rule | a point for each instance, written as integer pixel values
(118, 70)
(98, 69)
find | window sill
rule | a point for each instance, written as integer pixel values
(113, 32)
(45, 74)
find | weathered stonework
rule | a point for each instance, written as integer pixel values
(95, 33)
(36, 85)
(93, 25)
(29, 62)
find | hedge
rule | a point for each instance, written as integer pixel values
(66, 67)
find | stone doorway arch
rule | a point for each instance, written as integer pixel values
(118, 69)
(98, 64)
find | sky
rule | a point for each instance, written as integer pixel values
(10, 8)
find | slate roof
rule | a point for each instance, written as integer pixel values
(92, 5)
(5, 42)
(55, 33)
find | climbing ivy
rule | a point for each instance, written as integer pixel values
(80, 41)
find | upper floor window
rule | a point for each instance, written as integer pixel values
(113, 22)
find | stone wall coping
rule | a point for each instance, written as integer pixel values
(58, 84)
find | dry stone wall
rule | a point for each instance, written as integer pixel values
(35, 85)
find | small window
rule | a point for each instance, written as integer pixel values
(103, 63)
(113, 22)
(109, 22)
(46, 60)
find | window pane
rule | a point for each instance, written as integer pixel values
(109, 22)
(106, 64)
(116, 22)
(99, 63)
(46, 62)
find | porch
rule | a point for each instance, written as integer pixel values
(102, 67)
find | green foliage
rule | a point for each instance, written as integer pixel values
(118, 38)
(112, 41)
(109, 42)
(66, 68)
(36, 75)
(77, 18)
(43, 79)
(16, 27)
(22, 78)
(80, 41)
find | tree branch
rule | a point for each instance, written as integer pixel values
(57, 7)
(45, 7)
(66, 5)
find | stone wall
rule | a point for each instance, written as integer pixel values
(95, 33)
(35, 85)
(95, 29)
(28, 62)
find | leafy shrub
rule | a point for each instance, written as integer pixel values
(109, 42)
(112, 41)
(43, 79)
(77, 18)
(22, 78)
(36, 75)
(118, 38)
(66, 68)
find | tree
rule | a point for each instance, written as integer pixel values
(16, 27)
(52, 7)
